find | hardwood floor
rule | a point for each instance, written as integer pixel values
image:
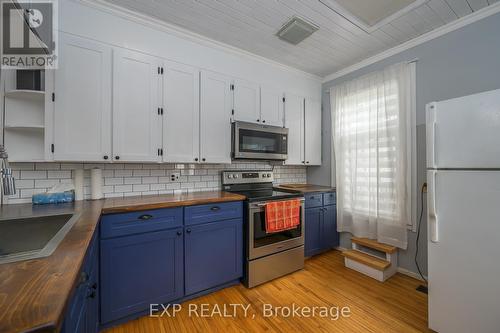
(393, 306)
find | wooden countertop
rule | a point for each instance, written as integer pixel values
(303, 188)
(34, 293)
(130, 204)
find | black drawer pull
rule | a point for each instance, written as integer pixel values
(312, 198)
(215, 208)
(145, 217)
(179, 233)
(188, 231)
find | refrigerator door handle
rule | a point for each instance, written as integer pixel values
(432, 217)
(431, 135)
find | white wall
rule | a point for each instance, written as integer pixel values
(98, 23)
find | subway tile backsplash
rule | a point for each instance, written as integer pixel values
(124, 179)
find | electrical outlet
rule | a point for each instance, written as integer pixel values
(175, 176)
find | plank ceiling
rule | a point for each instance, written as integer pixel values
(251, 25)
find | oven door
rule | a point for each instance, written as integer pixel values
(253, 141)
(261, 243)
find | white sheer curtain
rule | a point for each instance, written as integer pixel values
(373, 131)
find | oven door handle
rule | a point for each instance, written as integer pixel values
(265, 203)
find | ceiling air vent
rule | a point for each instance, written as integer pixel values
(296, 30)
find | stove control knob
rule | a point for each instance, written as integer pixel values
(264, 175)
(268, 175)
(230, 176)
(235, 176)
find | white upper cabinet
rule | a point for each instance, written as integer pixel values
(181, 126)
(271, 106)
(136, 107)
(82, 110)
(215, 118)
(312, 133)
(246, 96)
(294, 121)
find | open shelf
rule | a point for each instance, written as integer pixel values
(24, 122)
(36, 95)
(25, 127)
(25, 144)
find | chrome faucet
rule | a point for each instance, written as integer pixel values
(8, 181)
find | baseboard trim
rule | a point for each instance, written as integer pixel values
(411, 274)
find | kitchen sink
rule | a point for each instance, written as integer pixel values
(33, 237)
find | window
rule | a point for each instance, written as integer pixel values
(374, 139)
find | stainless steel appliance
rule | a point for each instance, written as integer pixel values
(267, 255)
(256, 141)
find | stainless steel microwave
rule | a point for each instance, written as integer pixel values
(261, 142)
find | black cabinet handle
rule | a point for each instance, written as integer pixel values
(215, 208)
(179, 233)
(196, 159)
(94, 286)
(106, 157)
(92, 294)
(145, 217)
(263, 121)
(258, 120)
(117, 157)
(188, 231)
(203, 159)
(312, 198)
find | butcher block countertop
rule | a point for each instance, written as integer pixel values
(34, 293)
(303, 188)
(130, 204)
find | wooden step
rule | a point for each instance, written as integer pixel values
(373, 244)
(366, 259)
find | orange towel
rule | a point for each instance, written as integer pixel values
(282, 215)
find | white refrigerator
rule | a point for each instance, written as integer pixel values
(463, 177)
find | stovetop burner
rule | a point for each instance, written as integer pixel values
(255, 185)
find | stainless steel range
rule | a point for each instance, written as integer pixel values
(268, 255)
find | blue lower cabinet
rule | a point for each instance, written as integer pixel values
(330, 234)
(139, 270)
(321, 224)
(82, 314)
(213, 254)
(313, 223)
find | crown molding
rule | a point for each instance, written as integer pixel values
(443, 30)
(177, 31)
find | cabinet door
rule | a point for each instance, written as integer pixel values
(312, 134)
(139, 270)
(82, 110)
(181, 118)
(294, 121)
(136, 122)
(313, 229)
(330, 236)
(271, 106)
(246, 97)
(213, 254)
(215, 118)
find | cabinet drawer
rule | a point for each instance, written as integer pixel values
(314, 200)
(114, 225)
(329, 198)
(213, 212)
